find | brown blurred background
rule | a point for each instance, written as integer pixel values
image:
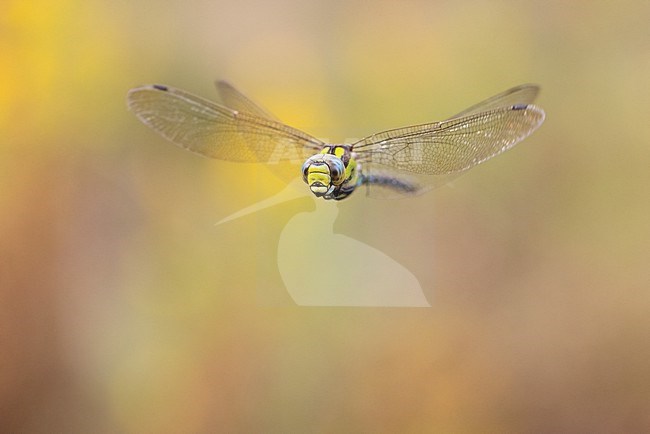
(124, 309)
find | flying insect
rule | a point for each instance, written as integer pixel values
(393, 163)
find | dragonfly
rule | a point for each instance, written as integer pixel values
(394, 163)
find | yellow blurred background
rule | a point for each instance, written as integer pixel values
(123, 308)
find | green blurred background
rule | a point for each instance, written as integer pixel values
(124, 309)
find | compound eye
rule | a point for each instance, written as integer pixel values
(305, 169)
(337, 171)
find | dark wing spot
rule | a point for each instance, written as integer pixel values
(160, 87)
(520, 106)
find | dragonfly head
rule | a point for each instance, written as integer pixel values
(323, 173)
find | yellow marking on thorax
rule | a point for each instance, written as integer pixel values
(351, 170)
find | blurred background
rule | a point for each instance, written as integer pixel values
(123, 308)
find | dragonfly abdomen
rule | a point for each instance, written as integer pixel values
(393, 183)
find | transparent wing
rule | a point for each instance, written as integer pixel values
(433, 154)
(236, 100)
(216, 131)
(524, 94)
